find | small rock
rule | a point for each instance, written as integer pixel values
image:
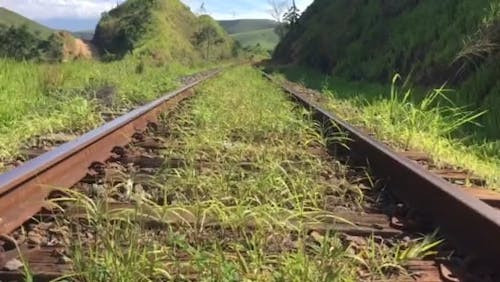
(53, 242)
(317, 237)
(45, 225)
(13, 264)
(357, 240)
(64, 260)
(35, 238)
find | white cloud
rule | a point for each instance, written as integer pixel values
(90, 9)
(232, 9)
(47, 9)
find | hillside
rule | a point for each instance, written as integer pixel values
(24, 39)
(433, 42)
(266, 38)
(9, 18)
(84, 34)
(252, 32)
(246, 25)
(164, 30)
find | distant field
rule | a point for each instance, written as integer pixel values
(9, 18)
(267, 38)
(246, 25)
(86, 34)
(250, 32)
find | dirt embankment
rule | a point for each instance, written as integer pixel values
(83, 49)
(76, 48)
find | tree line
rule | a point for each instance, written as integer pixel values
(21, 44)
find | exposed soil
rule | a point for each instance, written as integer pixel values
(79, 49)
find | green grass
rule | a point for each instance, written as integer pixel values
(266, 38)
(239, 206)
(9, 18)
(39, 99)
(246, 25)
(373, 40)
(425, 123)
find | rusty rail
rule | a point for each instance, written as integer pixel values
(470, 224)
(24, 189)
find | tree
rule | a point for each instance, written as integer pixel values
(208, 35)
(277, 10)
(291, 17)
(19, 43)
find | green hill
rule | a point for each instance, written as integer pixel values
(9, 18)
(24, 39)
(246, 25)
(267, 38)
(433, 42)
(84, 34)
(164, 30)
(252, 32)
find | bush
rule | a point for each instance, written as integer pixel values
(20, 44)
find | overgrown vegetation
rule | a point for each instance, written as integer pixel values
(18, 43)
(251, 184)
(22, 39)
(394, 116)
(161, 29)
(257, 36)
(431, 42)
(265, 39)
(39, 99)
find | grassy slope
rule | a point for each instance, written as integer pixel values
(10, 18)
(66, 41)
(162, 29)
(267, 38)
(372, 41)
(246, 25)
(402, 124)
(250, 32)
(84, 34)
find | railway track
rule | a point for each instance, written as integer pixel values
(130, 146)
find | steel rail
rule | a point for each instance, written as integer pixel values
(470, 224)
(23, 190)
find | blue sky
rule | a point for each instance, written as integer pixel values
(84, 14)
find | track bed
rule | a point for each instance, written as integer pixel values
(237, 183)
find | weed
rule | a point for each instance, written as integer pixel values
(241, 206)
(407, 119)
(38, 99)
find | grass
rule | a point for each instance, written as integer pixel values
(39, 99)
(266, 38)
(373, 40)
(239, 206)
(427, 123)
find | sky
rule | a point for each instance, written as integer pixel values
(84, 14)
